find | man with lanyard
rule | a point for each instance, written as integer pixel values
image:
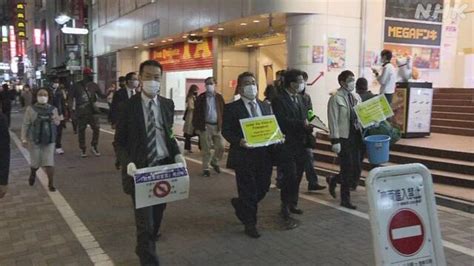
(345, 135)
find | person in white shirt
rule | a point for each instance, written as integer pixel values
(388, 77)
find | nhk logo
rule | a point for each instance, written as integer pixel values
(430, 11)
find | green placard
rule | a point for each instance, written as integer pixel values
(261, 131)
(373, 111)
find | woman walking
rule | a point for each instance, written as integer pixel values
(39, 131)
(27, 96)
(188, 128)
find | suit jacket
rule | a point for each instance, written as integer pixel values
(339, 114)
(57, 100)
(291, 119)
(232, 132)
(4, 150)
(200, 106)
(130, 136)
(120, 97)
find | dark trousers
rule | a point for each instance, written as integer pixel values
(292, 167)
(253, 178)
(8, 115)
(187, 141)
(389, 97)
(93, 122)
(310, 173)
(148, 223)
(350, 164)
(59, 134)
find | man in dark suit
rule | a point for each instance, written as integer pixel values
(58, 100)
(290, 112)
(127, 90)
(253, 166)
(145, 138)
(4, 154)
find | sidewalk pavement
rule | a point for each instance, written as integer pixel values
(202, 230)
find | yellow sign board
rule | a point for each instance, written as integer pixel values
(261, 131)
(373, 111)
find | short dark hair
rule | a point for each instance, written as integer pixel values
(129, 76)
(387, 53)
(291, 76)
(305, 76)
(121, 79)
(53, 78)
(208, 78)
(344, 75)
(362, 84)
(244, 75)
(153, 63)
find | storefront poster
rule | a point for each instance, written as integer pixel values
(261, 131)
(375, 110)
(369, 58)
(422, 57)
(318, 54)
(399, 108)
(161, 184)
(412, 33)
(184, 55)
(336, 53)
(419, 113)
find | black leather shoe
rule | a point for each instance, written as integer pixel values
(32, 180)
(117, 165)
(216, 168)
(206, 173)
(290, 223)
(332, 185)
(251, 231)
(314, 187)
(295, 210)
(348, 205)
(284, 212)
(157, 237)
(235, 203)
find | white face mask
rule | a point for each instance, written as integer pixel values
(250, 92)
(55, 85)
(301, 88)
(42, 99)
(351, 86)
(135, 84)
(151, 87)
(210, 88)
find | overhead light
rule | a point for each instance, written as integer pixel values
(145, 44)
(78, 31)
(62, 19)
(170, 40)
(185, 36)
(243, 24)
(193, 34)
(249, 45)
(220, 28)
(151, 43)
(136, 47)
(260, 44)
(211, 31)
(256, 21)
(163, 41)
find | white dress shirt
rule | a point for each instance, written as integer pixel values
(130, 92)
(247, 105)
(387, 79)
(160, 129)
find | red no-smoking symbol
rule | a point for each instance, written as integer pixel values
(406, 232)
(162, 189)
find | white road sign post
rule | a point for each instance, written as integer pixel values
(403, 216)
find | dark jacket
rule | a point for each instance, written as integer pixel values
(6, 98)
(57, 100)
(291, 119)
(232, 131)
(120, 97)
(366, 95)
(200, 106)
(307, 101)
(130, 136)
(85, 101)
(4, 150)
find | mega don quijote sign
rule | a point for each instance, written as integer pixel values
(412, 33)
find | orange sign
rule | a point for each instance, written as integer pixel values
(184, 55)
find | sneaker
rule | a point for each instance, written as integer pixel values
(32, 180)
(206, 173)
(52, 188)
(59, 151)
(83, 154)
(95, 151)
(216, 168)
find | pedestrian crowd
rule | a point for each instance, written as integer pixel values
(143, 122)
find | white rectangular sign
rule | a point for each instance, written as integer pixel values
(161, 184)
(404, 221)
(419, 110)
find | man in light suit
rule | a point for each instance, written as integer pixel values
(253, 166)
(345, 135)
(145, 139)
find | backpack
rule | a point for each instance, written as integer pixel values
(43, 129)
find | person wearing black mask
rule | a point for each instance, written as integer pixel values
(346, 136)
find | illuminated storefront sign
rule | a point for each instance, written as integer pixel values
(184, 55)
(37, 34)
(20, 20)
(4, 34)
(412, 33)
(12, 42)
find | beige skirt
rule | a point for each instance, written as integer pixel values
(42, 155)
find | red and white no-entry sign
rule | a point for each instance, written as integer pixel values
(406, 232)
(162, 189)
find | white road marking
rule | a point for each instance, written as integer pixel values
(83, 235)
(447, 244)
(406, 232)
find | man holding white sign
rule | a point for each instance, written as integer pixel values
(144, 138)
(252, 165)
